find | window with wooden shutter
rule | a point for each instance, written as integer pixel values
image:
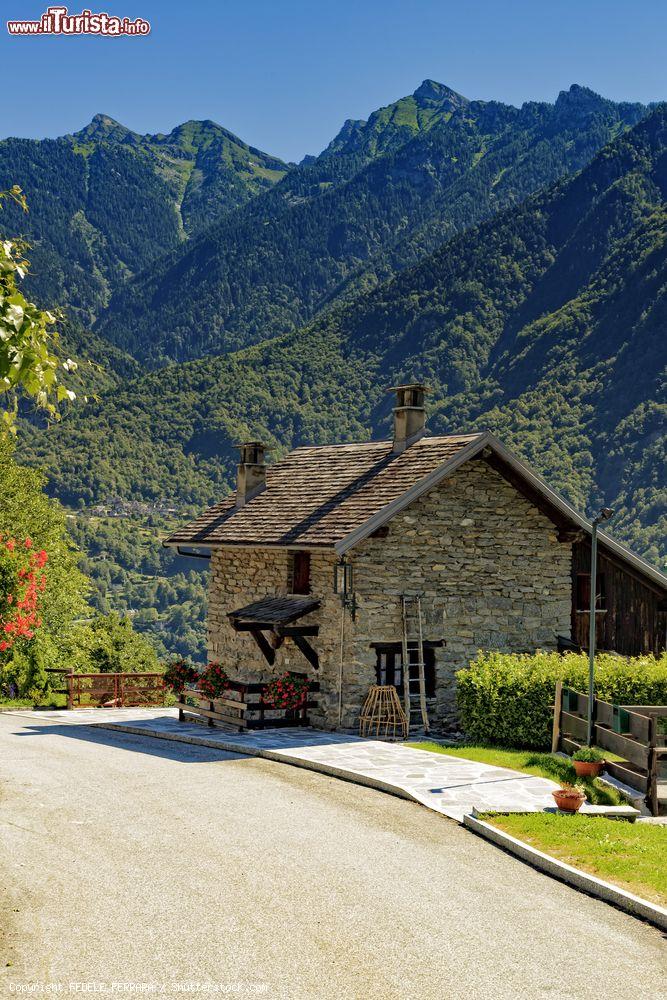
(389, 666)
(301, 572)
(583, 595)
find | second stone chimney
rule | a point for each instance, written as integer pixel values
(251, 476)
(409, 414)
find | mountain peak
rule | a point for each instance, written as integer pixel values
(430, 92)
(104, 127)
(581, 101)
(107, 121)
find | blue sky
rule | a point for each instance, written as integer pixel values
(284, 76)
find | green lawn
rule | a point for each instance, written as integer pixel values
(51, 701)
(9, 703)
(631, 855)
(531, 762)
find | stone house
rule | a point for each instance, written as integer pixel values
(494, 555)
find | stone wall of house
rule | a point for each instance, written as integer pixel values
(241, 576)
(490, 570)
(487, 563)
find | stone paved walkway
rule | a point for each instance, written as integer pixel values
(448, 785)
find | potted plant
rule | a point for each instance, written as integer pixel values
(178, 675)
(288, 691)
(569, 798)
(213, 682)
(588, 762)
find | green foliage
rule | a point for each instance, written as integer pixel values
(109, 644)
(385, 193)
(27, 362)
(106, 202)
(544, 325)
(132, 574)
(508, 699)
(48, 633)
(589, 755)
(25, 511)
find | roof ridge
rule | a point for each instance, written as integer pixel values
(387, 441)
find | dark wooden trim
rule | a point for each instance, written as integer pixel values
(307, 650)
(570, 535)
(244, 624)
(299, 720)
(239, 626)
(397, 647)
(632, 623)
(264, 645)
(300, 572)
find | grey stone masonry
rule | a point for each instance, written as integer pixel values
(486, 562)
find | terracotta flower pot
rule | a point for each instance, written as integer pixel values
(588, 768)
(569, 800)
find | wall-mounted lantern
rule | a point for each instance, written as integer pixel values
(344, 586)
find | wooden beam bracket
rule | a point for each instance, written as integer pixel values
(307, 651)
(265, 646)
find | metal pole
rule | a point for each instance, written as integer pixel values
(591, 633)
(340, 666)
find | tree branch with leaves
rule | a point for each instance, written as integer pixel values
(28, 362)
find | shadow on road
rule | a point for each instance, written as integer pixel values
(188, 753)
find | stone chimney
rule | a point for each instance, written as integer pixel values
(409, 414)
(251, 476)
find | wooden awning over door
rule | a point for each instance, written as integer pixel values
(276, 616)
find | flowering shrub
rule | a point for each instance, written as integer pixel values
(178, 674)
(22, 580)
(213, 682)
(289, 691)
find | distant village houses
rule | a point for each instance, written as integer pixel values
(118, 507)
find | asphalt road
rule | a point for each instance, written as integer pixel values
(131, 866)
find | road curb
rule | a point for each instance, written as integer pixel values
(592, 886)
(574, 877)
(229, 746)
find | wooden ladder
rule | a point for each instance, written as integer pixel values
(414, 689)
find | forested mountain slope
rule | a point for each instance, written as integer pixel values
(105, 201)
(377, 200)
(545, 324)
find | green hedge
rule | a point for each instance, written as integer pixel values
(507, 699)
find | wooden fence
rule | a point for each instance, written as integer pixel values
(635, 734)
(243, 708)
(113, 690)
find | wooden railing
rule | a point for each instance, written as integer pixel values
(113, 690)
(242, 707)
(634, 733)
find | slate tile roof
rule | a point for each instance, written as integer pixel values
(279, 610)
(317, 495)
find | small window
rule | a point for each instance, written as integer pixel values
(300, 582)
(389, 667)
(583, 594)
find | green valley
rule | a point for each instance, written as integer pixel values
(543, 322)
